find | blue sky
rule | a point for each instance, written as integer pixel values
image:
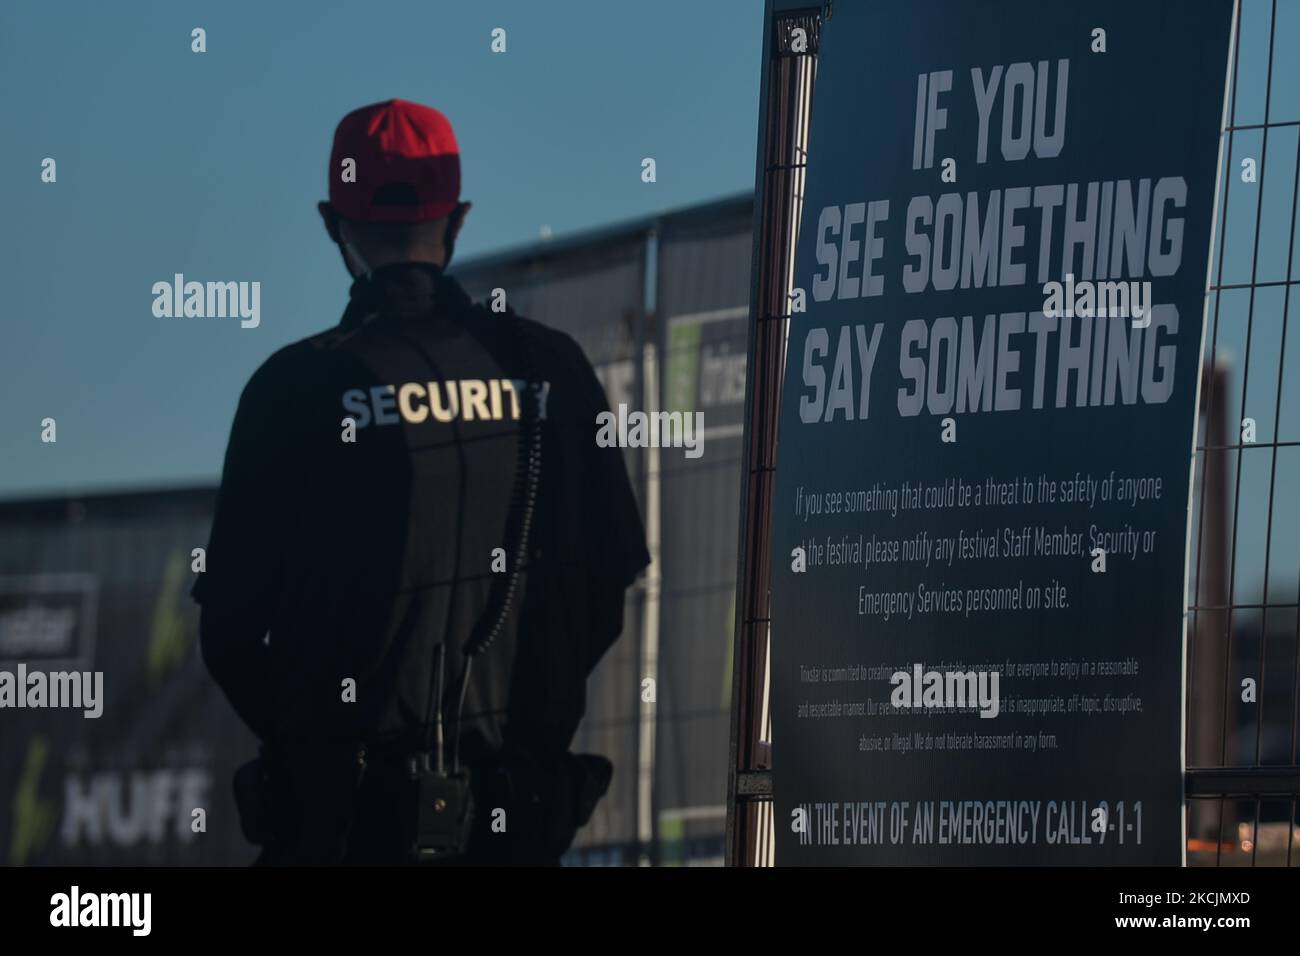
(211, 164)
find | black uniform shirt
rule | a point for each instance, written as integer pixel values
(360, 556)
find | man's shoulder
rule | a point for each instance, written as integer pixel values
(560, 346)
(284, 359)
(544, 342)
(289, 367)
(555, 353)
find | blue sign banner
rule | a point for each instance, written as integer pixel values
(980, 522)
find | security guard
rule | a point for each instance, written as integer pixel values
(413, 492)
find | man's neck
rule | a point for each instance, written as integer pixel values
(432, 258)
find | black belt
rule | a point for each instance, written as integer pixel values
(500, 777)
(563, 786)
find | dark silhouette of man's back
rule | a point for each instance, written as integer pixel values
(394, 489)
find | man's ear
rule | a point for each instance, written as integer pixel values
(457, 219)
(331, 219)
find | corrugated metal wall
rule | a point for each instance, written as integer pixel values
(103, 584)
(702, 313)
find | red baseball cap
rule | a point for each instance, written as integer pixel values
(407, 164)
